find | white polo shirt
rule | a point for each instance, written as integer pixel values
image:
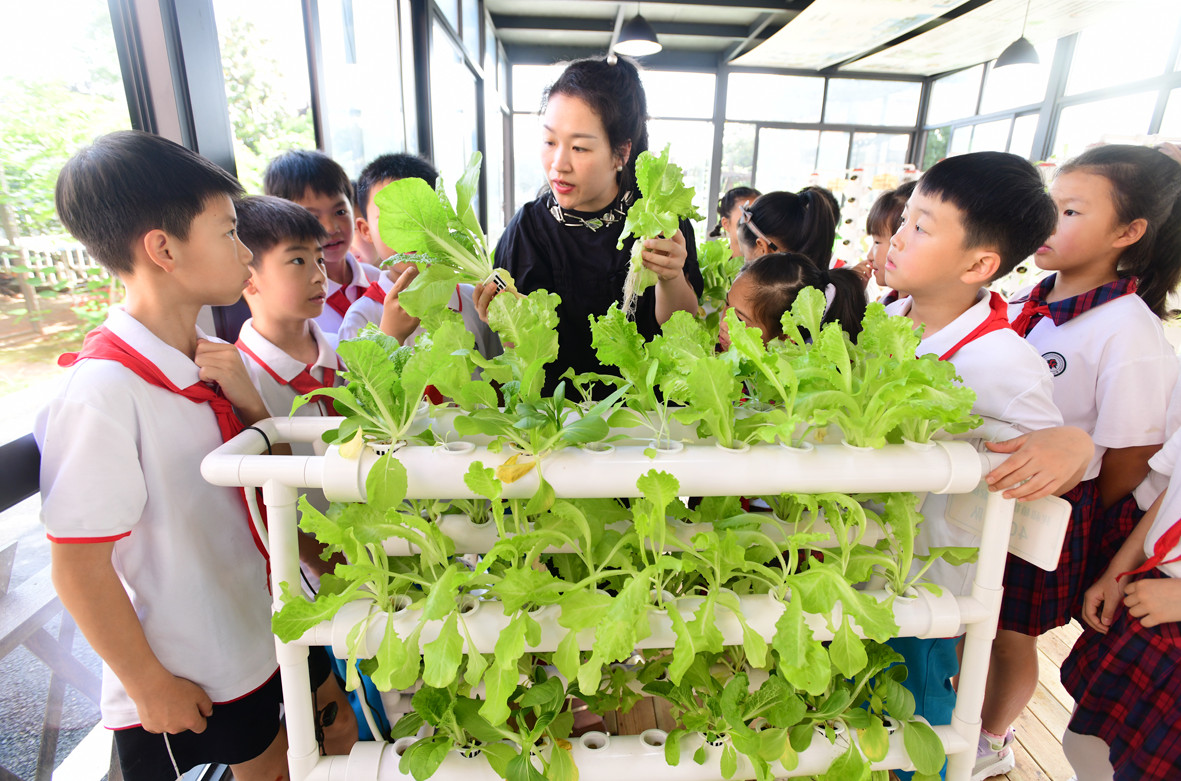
(1012, 385)
(1114, 373)
(276, 395)
(360, 275)
(366, 310)
(1165, 462)
(120, 460)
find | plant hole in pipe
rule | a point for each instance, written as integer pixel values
(595, 740)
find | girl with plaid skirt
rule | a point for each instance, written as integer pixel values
(1125, 671)
(1116, 255)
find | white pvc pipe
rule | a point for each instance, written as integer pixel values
(618, 758)
(921, 615)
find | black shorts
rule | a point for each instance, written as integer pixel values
(236, 732)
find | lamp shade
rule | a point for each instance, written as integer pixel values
(1020, 51)
(637, 38)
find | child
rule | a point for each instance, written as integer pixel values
(362, 249)
(1114, 371)
(803, 222)
(317, 183)
(883, 220)
(730, 212)
(380, 303)
(1124, 679)
(766, 288)
(287, 355)
(160, 569)
(971, 219)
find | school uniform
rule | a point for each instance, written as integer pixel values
(1127, 683)
(1114, 372)
(368, 309)
(341, 297)
(120, 461)
(979, 343)
(280, 378)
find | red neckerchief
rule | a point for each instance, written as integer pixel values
(103, 344)
(997, 320)
(1166, 543)
(890, 297)
(302, 383)
(1063, 311)
(375, 292)
(340, 299)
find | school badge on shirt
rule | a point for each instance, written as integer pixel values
(1056, 363)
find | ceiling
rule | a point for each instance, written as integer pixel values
(915, 37)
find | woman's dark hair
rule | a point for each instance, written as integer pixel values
(1144, 184)
(885, 215)
(778, 278)
(615, 94)
(803, 222)
(728, 202)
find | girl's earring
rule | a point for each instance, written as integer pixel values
(618, 168)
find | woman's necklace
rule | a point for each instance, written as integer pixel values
(616, 212)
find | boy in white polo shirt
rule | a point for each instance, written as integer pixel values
(160, 569)
(379, 304)
(317, 182)
(971, 219)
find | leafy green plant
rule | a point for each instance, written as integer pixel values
(719, 269)
(664, 202)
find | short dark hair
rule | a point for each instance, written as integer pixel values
(386, 168)
(127, 183)
(885, 215)
(265, 222)
(616, 95)
(1002, 200)
(780, 276)
(803, 222)
(291, 174)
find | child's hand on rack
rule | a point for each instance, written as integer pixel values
(1154, 601)
(1042, 463)
(1100, 602)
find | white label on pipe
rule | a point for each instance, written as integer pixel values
(1039, 527)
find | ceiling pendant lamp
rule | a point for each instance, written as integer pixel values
(637, 38)
(1020, 51)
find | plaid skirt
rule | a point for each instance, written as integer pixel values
(1111, 528)
(1127, 686)
(1036, 601)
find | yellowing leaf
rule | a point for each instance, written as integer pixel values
(352, 449)
(511, 471)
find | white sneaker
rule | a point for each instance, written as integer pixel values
(994, 758)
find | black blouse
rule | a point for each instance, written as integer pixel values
(573, 254)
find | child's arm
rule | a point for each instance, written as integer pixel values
(222, 363)
(88, 587)
(1043, 463)
(395, 321)
(1154, 601)
(1123, 469)
(1100, 600)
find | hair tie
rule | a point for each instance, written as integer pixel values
(825, 278)
(830, 292)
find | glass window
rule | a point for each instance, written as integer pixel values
(494, 160)
(450, 11)
(991, 136)
(834, 151)
(1024, 129)
(873, 150)
(453, 119)
(359, 40)
(1087, 123)
(954, 96)
(491, 63)
(961, 141)
(471, 28)
(1018, 85)
(936, 147)
(265, 67)
(528, 176)
(868, 102)
(738, 156)
(1126, 47)
(691, 148)
(772, 98)
(1170, 124)
(679, 94)
(787, 158)
(529, 81)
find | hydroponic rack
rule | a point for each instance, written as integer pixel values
(436, 472)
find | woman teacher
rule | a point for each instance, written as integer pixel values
(594, 125)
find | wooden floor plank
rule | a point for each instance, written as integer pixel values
(1048, 676)
(1043, 745)
(1046, 708)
